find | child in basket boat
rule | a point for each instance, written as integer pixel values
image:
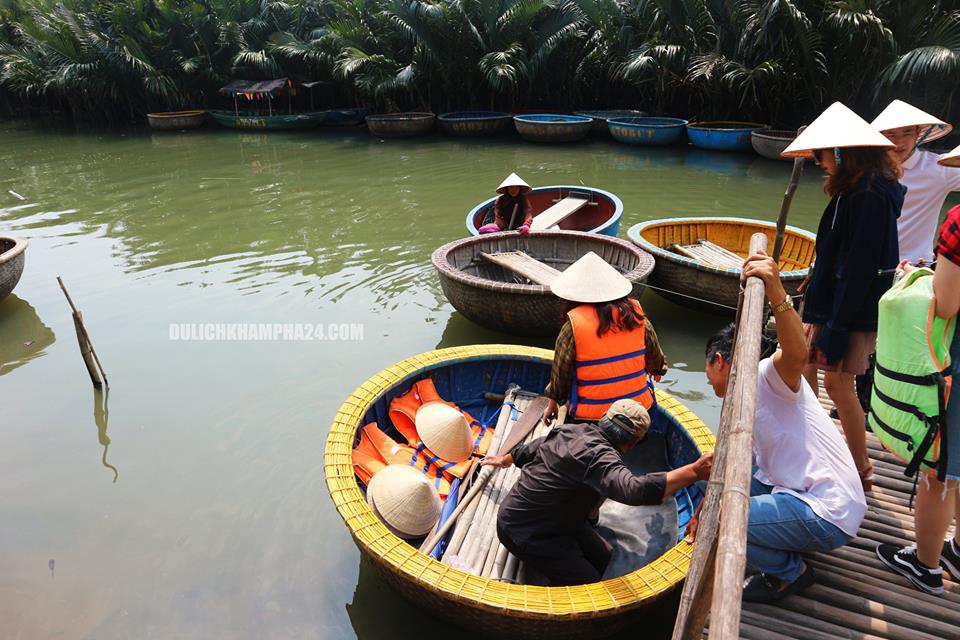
(511, 210)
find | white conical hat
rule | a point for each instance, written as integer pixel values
(591, 279)
(404, 500)
(838, 126)
(900, 114)
(951, 159)
(444, 431)
(513, 180)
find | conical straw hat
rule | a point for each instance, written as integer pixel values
(444, 431)
(838, 126)
(951, 159)
(404, 500)
(513, 180)
(900, 114)
(591, 279)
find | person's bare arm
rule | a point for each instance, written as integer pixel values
(791, 358)
(946, 288)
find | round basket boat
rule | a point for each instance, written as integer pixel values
(13, 254)
(657, 131)
(722, 135)
(549, 127)
(601, 215)
(769, 143)
(600, 118)
(462, 375)
(177, 120)
(474, 124)
(497, 298)
(698, 284)
(401, 125)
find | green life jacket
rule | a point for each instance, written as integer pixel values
(911, 382)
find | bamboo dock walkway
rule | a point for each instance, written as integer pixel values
(855, 596)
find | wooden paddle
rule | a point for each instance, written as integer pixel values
(513, 217)
(521, 429)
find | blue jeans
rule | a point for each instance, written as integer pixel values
(781, 527)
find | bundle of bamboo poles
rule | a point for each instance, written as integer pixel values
(474, 545)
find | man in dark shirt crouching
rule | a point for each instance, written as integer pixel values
(567, 474)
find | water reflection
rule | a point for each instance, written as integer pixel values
(101, 414)
(718, 163)
(23, 336)
(459, 331)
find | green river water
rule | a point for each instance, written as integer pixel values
(195, 507)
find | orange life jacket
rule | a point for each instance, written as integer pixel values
(376, 450)
(607, 369)
(403, 414)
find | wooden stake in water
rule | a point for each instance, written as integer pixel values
(97, 375)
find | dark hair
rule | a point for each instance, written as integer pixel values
(628, 319)
(614, 432)
(856, 162)
(721, 342)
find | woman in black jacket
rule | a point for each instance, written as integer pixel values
(857, 252)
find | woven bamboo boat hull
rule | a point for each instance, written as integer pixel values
(722, 135)
(543, 127)
(231, 120)
(177, 120)
(496, 608)
(401, 125)
(701, 286)
(770, 144)
(490, 296)
(474, 124)
(345, 117)
(601, 117)
(603, 218)
(13, 254)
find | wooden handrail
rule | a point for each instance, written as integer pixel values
(715, 577)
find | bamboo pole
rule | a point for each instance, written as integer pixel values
(732, 539)
(785, 205)
(465, 507)
(97, 375)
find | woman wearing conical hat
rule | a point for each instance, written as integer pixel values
(857, 251)
(511, 211)
(928, 184)
(607, 350)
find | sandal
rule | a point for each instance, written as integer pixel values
(866, 476)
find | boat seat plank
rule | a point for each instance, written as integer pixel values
(709, 253)
(523, 264)
(551, 217)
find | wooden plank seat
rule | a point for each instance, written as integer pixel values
(524, 265)
(709, 253)
(553, 216)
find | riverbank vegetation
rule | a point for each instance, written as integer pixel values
(777, 61)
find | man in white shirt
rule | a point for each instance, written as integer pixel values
(928, 184)
(806, 494)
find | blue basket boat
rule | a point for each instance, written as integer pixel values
(474, 124)
(723, 135)
(549, 127)
(467, 376)
(651, 131)
(600, 118)
(601, 215)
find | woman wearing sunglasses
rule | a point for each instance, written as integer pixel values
(857, 252)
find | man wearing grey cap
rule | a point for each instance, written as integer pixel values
(567, 474)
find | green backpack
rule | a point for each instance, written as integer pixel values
(911, 380)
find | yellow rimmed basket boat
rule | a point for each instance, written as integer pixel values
(501, 609)
(698, 259)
